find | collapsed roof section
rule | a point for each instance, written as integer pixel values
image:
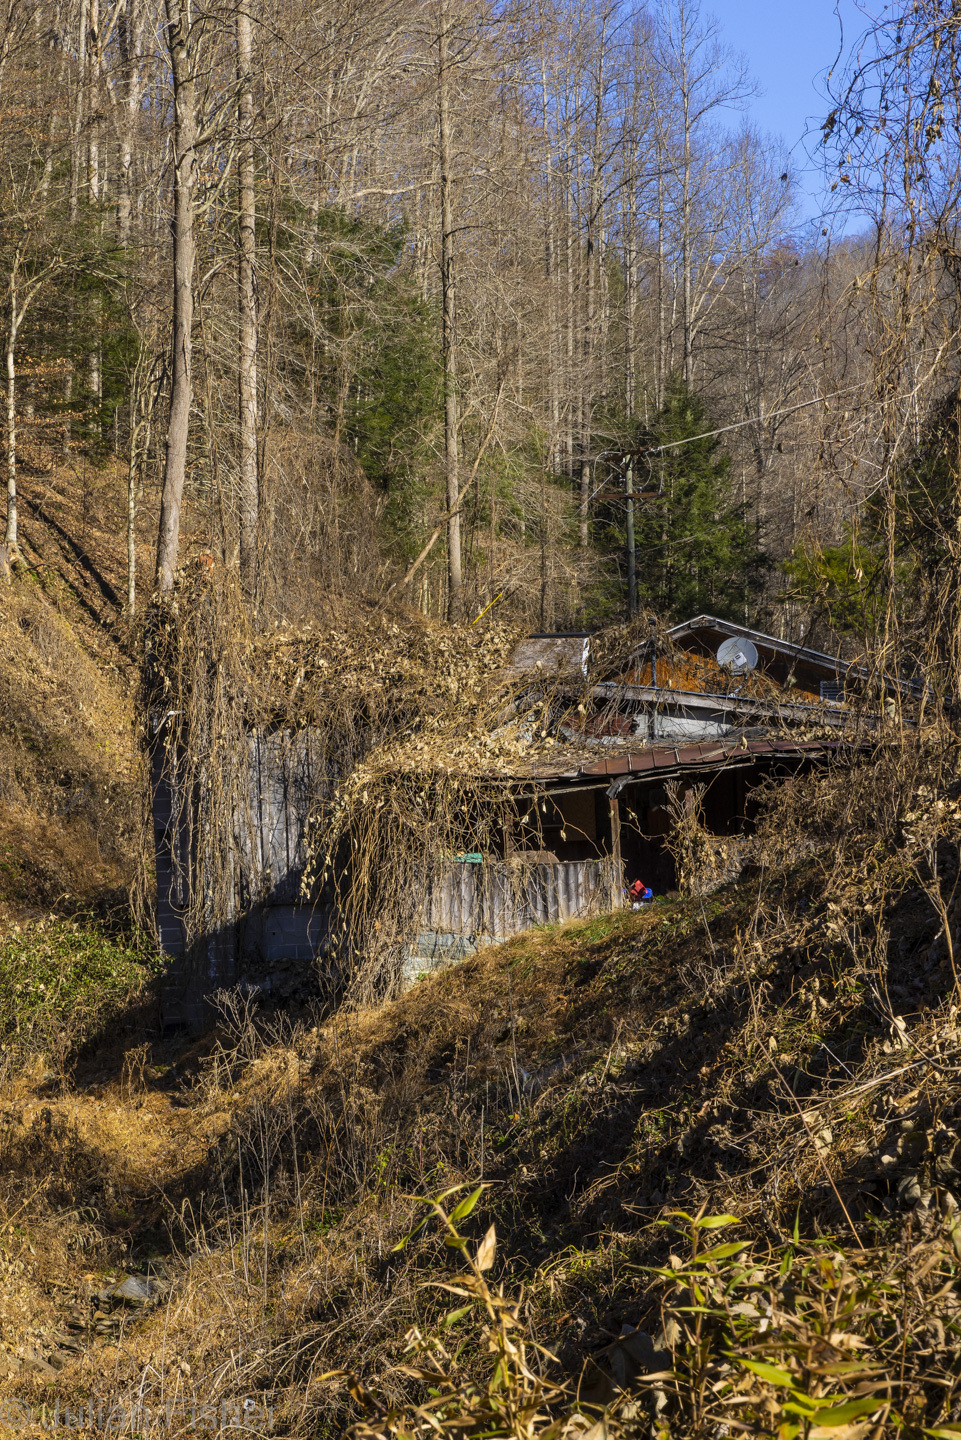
(701, 681)
(783, 661)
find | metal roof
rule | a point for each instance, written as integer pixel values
(665, 759)
(707, 753)
(764, 642)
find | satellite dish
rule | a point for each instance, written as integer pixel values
(737, 655)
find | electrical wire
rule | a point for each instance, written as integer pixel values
(754, 420)
(709, 434)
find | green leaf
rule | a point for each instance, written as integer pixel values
(847, 1367)
(714, 1222)
(452, 1316)
(722, 1252)
(943, 1432)
(466, 1205)
(844, 1414)
(402, 1244)
(771, 1373)
(436, 1199)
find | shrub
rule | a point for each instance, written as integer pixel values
(61, 981)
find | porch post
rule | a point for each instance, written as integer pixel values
(617, 885)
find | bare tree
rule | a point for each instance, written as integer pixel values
(249, 480)
(181, 51)
(455, 575)
(702, 75)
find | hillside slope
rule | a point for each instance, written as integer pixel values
(216, 1223)
(69, 771)
(784, 1053)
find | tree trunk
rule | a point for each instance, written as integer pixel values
(10, 537)
(587, 377)
(595, 242)
(455, 578)
(132, 468)
(630, 304)
(184, 255)
(76, 161)
(662, 364)
(93, 148)
(127, 31)
(550, 275)
(249, 497)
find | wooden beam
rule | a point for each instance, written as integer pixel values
(614, 808)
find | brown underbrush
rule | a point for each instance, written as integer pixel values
(69, 768)
(718, 1141)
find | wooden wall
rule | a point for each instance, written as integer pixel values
(272, 936)
(471, 906)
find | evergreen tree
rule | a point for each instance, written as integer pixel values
(697, 549)
(846, 585)
(902, 552)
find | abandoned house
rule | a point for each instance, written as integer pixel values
(705, 704)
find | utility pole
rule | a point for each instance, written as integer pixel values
(627, 458)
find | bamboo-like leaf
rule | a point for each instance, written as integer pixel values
(838, 1415)
(802, 1405)
(722, 1252)
(465, 1206)
(771, 1373)
(714, 1222)
(452, 1316)
(485, 1252)
(847, 1367)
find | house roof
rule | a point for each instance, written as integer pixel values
(707, 632)
(663, 761)
(566, 653)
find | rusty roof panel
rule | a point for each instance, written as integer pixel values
(656, 758)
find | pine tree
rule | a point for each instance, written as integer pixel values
(697, 549)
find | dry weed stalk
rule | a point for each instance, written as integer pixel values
(517, 1402)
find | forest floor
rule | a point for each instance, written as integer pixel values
(189, 1227)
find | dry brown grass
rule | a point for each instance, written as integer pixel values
(755, 1052)
(69, 768)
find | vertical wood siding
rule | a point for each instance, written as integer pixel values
(269, 925)
(502, 899)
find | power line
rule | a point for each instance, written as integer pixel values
(771, 415)
(709, 434)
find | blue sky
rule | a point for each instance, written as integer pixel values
(788, 48)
